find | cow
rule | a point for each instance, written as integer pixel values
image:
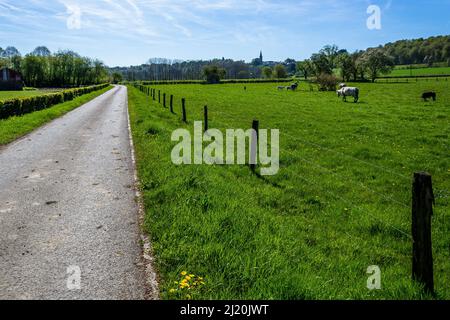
(428, 95)
(349, 92)
(293, 86)
(342, 85)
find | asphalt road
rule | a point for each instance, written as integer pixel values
(67, 205)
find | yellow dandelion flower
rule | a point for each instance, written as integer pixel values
(184, 273)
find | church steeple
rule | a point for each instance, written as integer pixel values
(261, 57)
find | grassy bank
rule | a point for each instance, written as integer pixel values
(16, 127)
(340, 203)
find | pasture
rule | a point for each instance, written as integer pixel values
(340, 203)
(7, 95)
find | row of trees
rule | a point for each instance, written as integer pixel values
(158, 69)
(372, 62)
(359, 65)
(41, 68)
(351, 66)
(418, 51)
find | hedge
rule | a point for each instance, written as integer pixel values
(21, 106)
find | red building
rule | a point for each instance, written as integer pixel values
(10, 80)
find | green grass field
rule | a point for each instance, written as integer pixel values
(6, 95)
(401, 72)
(16, 127)
(340, 203)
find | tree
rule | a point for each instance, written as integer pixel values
(331, 53)
(279, 72)
(291, 66)
(306, 68)
(346, 65)
(321, 64)
(376, 61)
(16, 63)
(213, 74)
(33, 70)
(10, 52)
(116, 77)
(41, 52)
(267, 72)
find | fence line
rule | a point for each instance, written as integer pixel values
(152, 92)
(327, 149)
(422, 201)
(348, 201)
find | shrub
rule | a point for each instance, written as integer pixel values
(327, 82)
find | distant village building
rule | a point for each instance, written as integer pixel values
(10, 80)
(258, 61)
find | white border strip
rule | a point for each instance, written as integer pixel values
(150, 274)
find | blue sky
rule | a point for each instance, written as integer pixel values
(129, 32)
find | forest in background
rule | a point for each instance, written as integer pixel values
(418, 51)
(42, 68)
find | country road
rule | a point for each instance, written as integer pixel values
(67, 204)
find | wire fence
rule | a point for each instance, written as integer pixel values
(419, 211)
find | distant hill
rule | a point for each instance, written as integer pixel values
(418, 51)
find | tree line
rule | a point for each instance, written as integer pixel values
(41, 68)
(420, 51)
(159, 69)
(356, 66)
(369, 64)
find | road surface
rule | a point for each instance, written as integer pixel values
(68, 215)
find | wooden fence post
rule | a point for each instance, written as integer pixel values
(154, 94)
(183, 107)
(422, 211)
(171, 103)
(159, 96)
(205, 112)
(164, 100)
(254, 145)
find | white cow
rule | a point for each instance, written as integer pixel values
(349, 92)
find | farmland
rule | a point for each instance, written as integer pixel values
(340, 203)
